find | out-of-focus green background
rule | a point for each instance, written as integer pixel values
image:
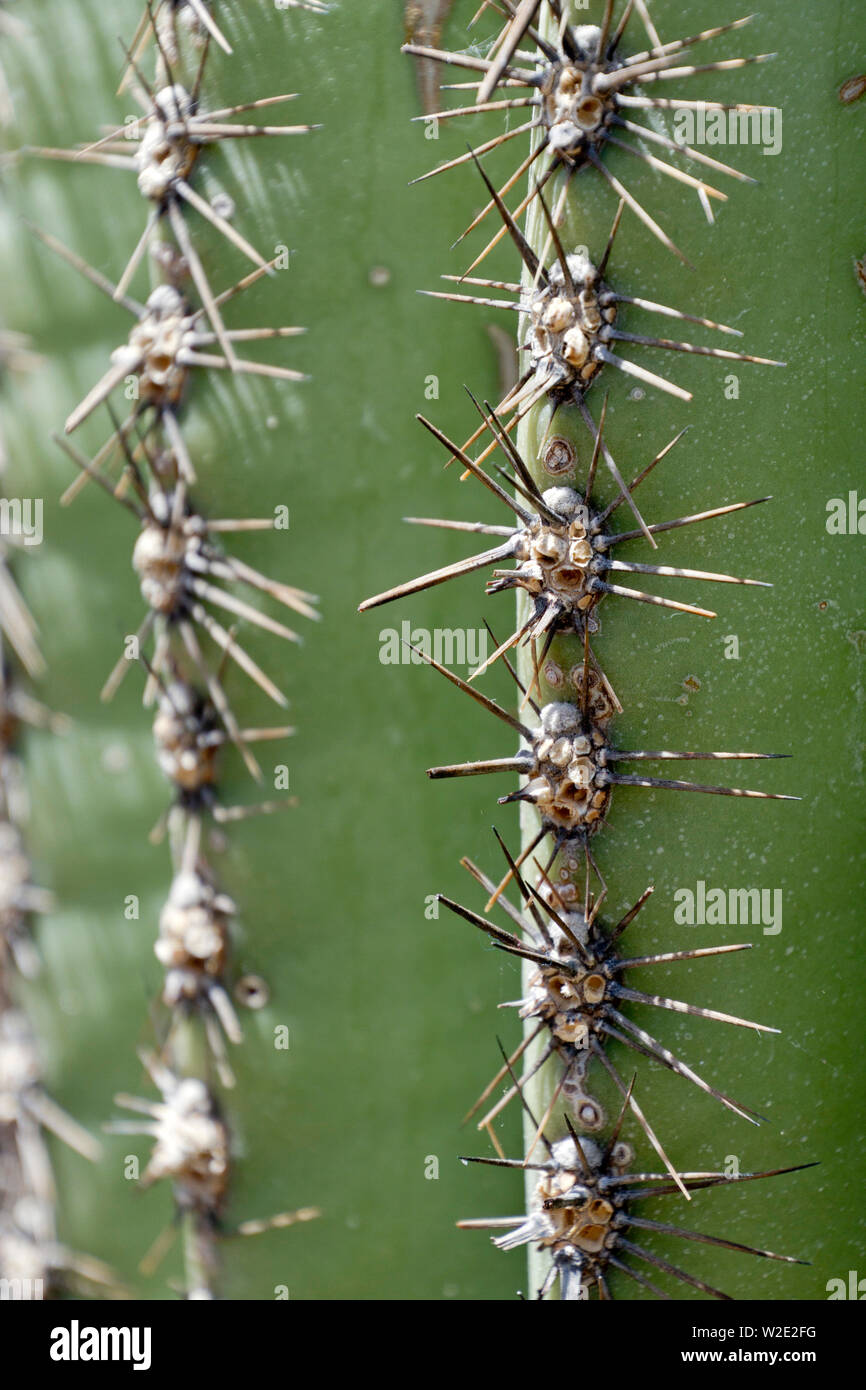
(393, 1016)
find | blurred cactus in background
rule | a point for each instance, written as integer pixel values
(366, 1011)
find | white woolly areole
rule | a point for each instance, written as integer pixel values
(565, 1154)
(160, 160)
(587, 37)
(559, 719)
(564, 501)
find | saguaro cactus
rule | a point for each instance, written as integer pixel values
(582, 86)
(189, 582)
(385, 998)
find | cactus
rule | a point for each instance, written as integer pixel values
(189, 579)
(372, 1083)
(549, 236)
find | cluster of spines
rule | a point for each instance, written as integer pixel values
(577, 86)
(185, 573)
(582, 1212)
(576, 89)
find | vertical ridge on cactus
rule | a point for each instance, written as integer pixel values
(569, 327)
(185, 574)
